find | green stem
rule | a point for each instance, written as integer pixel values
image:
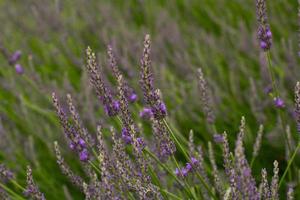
(17, 185)
(289, 164)
(188, 158)
(276, 95)
(7, 189)
(166, 169)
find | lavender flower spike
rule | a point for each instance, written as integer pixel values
(297, 105)
(264, 33)
(152, 97)
(205, 97)
(104, 94)
(32, 190)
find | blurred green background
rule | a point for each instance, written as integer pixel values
(217, 35)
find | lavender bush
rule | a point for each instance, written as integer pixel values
(124, 139)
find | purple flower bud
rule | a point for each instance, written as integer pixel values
(177, 172)
(133, 97)
(218, 138)
(269, 33)
(72, 146)
(188, 167)
(184, 172)
(84, 155)
(81, 142)
(126, 136)
(19, 69)
(146, 113)
(263, 45)
(141, 143)
(112, 109)
(194, 161)
(279, 103)
(268, 89)
(15, 57)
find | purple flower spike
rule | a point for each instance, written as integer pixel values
(133, 97)
(19, 69)
(126, 136)
(15, 57)
(84, 155)
(279, 103)
(146, 113)
(218, 138)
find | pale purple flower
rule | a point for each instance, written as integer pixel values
(84, 155)
(19, 69)
(194, 161)
(218, 138)
(133, 97)
(278, 102)
(126, 136)
(146, 113)
(15, 57)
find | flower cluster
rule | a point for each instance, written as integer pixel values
(74, 134)
(264, 33)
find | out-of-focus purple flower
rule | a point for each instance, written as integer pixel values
(126, 136)
(268, 89)
(177, 172)
(188, 167)
(81, 142)
(146, 113)
(5, 173)
(72, 146)
(15, 57)
(279, 103)
(19, 69)
(194, 161)
(184, 171)
(218, 138)
(84, 155)
(133, 97)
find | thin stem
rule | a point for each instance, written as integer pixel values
(17, 185)
(188, 158)
(170, 194)
(7, 189)
(276, 95)
(95, 167)
(166, 169)
(289, 164)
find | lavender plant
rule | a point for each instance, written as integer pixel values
(122, 159)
